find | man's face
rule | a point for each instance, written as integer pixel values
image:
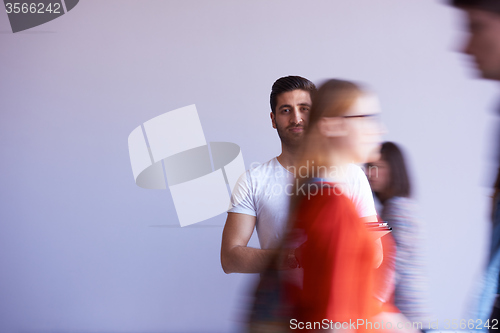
(484, 42)
(292, 114)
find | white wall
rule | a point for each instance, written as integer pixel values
(82, 248)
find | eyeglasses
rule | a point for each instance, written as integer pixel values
(374, 117)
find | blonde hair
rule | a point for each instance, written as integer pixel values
(334, 98)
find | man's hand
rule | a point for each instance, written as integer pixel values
(288, 259)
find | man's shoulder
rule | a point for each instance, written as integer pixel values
(252, 186)
(256, 166)
(259, 170)
(257, 173)
(354, 173)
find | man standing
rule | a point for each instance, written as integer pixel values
(483, 45)
(261, 197)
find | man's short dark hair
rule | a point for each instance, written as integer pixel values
(487, 5)
(290, 83)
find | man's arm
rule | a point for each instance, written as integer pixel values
(236, 257)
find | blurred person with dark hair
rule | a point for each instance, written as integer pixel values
(339, 257)
(390, 182)
(261, 197)
(483, 45)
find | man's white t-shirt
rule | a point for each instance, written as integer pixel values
(265, 190)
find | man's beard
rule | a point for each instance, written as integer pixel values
(289, 139)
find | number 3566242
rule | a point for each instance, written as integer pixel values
(32, 8)
(463, 324)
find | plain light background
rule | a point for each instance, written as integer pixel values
(83, 249)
